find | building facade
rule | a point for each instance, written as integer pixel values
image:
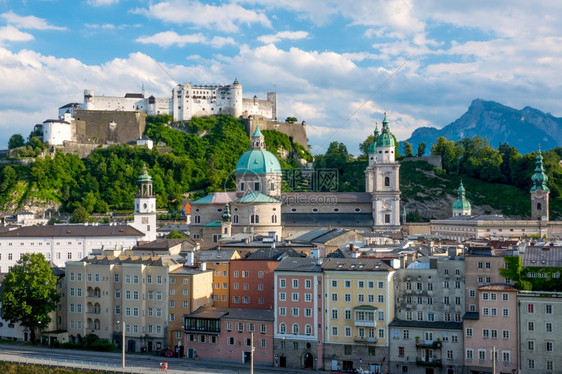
(299, 320)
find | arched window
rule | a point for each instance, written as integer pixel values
(235, 218)
(282, 328)
(254, 218)
(295, 329)
(539, 206)
(386, 181)
(225, 230)
(197, 219)
(274, 219)
(308, 330)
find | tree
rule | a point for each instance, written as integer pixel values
(291, 119)
(421, 149)
(16, 141)
(175, 234)
(79, 215)
(408, 150)
(29, 293)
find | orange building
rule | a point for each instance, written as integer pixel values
(219, 262)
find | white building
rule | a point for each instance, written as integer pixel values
(61, 243)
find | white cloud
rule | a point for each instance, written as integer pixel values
(290, 35)
(168, 38)
(29, 22)
(11, 34)
(97, 3)
(226, 17)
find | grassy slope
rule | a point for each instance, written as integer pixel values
(420, 184)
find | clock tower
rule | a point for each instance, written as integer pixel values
(145, 207)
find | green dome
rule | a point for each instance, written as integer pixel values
(385, 139)
(461, 203)
(144, 177)
(373, 147)
(258, 161)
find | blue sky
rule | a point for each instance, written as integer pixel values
(337, 65)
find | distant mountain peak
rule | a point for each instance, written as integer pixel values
(523, 129)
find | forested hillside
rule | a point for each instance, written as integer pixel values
(202, 157)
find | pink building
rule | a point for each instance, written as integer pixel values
(225, 334)
(298, 313)
(493, 328)
(251, 279)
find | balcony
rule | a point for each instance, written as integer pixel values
(365, 323)
(365, 340)
(428, 344)
(429, 362)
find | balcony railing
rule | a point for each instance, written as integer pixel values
(428, 344)
(363, 323)
(429, 362)
(365, 340)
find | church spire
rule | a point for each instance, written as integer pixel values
(539, 177)
(258, 140)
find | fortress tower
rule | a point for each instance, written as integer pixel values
(382, 181)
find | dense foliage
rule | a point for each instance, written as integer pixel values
(198, 157)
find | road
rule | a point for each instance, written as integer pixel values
(135, 363)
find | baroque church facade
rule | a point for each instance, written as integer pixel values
(259, 205)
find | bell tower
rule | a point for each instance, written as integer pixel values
(145, 207)
(539, 192)
(383, 180)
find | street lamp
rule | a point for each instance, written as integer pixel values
(123, 342)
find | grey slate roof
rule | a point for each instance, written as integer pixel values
(233, 313)
(327, 219)
(72, 231)
(300, 264)
(314, 197)
(471, 315)
(441, 325)
(119, 260)
(165, 244)
(273, 254)
(321, 235)
(215, 255)
(356, 264)
(542, 257)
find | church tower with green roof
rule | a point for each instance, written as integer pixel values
(145, 207)
(461, 206)
(539, 192)
(382, 180)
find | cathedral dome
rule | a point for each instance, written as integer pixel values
(258, 161)
(461, 203)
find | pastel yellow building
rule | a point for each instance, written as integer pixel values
(103, 292)
(358, 305)
(190, 288)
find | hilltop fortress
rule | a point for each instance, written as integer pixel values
(110, 119)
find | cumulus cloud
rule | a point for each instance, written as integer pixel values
(225, 17)
(12, 34)
(290, 35)
(169, 38)
(29, 22)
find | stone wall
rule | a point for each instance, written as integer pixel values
(295, 131)
(109, 127)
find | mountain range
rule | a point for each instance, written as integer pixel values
(523, 129)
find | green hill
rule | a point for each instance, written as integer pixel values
(199, 156)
